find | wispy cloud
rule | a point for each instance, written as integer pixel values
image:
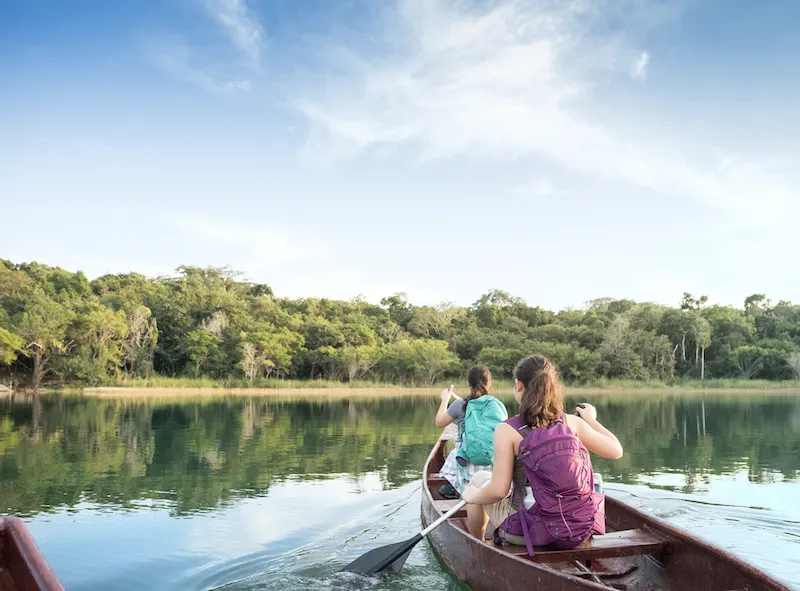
(241, 24)
(513, 81)
(639, 66)
(214, 71)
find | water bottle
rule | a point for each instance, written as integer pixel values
(528, 501)
(598, 482)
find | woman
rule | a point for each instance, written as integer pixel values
(541, 424)
(474, 449)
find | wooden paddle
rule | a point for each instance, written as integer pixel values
(391, 558)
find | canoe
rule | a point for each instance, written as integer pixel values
(638, 552)
(22, 566)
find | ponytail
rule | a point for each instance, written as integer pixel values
(542, 400)
(479, 379)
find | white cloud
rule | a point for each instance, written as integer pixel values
(178, 59)
(639, 66)
(516, 81)
(241, 24)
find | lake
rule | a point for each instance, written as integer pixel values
(278, 493)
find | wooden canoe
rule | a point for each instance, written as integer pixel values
(22, 566)
(639, 553)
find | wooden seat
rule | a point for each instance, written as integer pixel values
(445, 505)
(629, 542)
(435, 481)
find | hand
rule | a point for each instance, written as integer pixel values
(481, 479)
(469, 493)
(586, 411)
(446, 394)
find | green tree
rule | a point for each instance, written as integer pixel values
(357, 361)
(200, 345)
(139, 345)
(10, 345)
(702, 336)
(43, 327)
(748, 360)
(435, 358)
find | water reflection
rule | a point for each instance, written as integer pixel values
(196, 455)
(265, 493)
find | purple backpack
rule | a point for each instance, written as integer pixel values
(567, 510)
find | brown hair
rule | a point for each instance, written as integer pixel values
(479, 379)
(542, 400)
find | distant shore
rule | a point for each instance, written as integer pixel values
(501, 388)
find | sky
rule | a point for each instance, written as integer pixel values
(559, 150)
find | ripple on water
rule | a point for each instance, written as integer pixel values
(310, 557)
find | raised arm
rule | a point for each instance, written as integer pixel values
(593, 435)
(442, 418)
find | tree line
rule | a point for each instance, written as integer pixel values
(56, 326)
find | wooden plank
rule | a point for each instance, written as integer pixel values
(445, 505)
(631, 542)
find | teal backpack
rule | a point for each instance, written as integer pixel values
(477, 437)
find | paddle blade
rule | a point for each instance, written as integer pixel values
(389, 558)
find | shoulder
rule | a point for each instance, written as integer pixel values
(574, 423)
(506, 432)
(458, 408)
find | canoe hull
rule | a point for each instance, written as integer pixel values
(480, 567)
(22, 566)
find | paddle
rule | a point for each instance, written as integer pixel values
(391, 558)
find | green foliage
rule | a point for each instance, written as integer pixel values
(10, 345)
(210, 323)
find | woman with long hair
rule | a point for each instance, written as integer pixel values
(544, 450)
(477, 416)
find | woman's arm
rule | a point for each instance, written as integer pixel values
(503, 470)
(593, 435)
(442, 418)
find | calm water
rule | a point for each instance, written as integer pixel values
(268, 494)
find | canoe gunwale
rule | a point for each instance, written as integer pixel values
(21, 559)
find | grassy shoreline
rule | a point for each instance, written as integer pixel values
(203, 386)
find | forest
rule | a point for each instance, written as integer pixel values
(58, 327)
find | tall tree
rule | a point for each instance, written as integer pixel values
(43, 327)
(748, 360)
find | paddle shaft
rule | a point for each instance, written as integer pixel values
(456, 508)
(393, 556)
(442, 519)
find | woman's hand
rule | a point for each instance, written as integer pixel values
(469, 493)
(442, 417)
(446, 394)
(586, 411)
(480, 480)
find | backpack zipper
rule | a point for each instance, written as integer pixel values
(527, 452)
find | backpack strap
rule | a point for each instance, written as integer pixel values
(525, 430)
(523, 521)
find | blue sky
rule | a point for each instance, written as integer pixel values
(559, 150)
